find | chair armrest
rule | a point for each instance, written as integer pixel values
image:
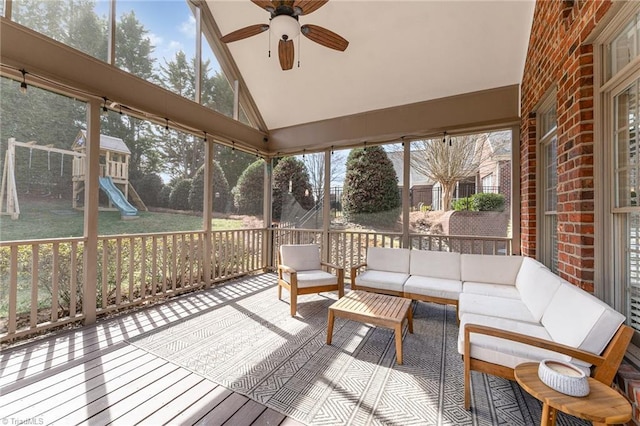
(331, 265)
(354, 270)
(585, 356)
(287, 269)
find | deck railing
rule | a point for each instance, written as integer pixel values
(42, 281)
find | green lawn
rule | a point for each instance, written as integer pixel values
(54, 218)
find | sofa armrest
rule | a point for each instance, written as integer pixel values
(585, 356)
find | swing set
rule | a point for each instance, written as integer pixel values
(9, 204)
(114, 165)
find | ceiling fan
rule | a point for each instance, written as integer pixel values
(284, 23)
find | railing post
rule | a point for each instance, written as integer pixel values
(91, 190)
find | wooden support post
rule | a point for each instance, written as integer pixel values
(326, 207)
(91, 190)
(267, 242)
(207, 216)
(406, 200)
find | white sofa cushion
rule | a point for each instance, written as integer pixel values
(578, 319)
(498, 290)
(435, 264)
(500, 307)
(383, 280)
(506, 352)
(433, 287)
(388, 259)
(489, 268)
(301, 257)
(312, 278)
(537, 286)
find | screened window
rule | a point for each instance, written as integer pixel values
(549, 174)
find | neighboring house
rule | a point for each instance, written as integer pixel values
(493, 175)
(420, 186)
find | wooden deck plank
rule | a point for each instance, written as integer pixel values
(162, 401)
(201, 407)
(223, 411)
(107, 395)
(94, 375)
(197, 396)
(26, 397)
(269, 417)
(50, 377)
(247, 414)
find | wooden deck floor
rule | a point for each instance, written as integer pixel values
(92, 375)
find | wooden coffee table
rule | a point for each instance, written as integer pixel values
(372, 308)
(603, 405)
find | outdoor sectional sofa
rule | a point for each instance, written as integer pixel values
(511, 309)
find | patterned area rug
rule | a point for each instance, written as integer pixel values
(249, 343)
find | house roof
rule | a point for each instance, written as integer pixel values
(400, 52)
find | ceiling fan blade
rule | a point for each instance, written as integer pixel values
(285, 53)
(324, 37)
(308, 6)
(244, 33)
(264, 4)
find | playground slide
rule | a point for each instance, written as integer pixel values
(117, 197)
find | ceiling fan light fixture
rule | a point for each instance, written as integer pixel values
(285, 27)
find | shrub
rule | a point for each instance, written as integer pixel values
(179, 198)
(489, 202)
(291, 173)
(248, 194)
(464, 204)
(164, 196)
(370, 193)
(220, 187)
(483, 202)
(149, 187)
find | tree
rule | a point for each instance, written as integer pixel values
(216, 91)
(291, 178)
(248, 194)
(219, 190)
(448, 162)
(370, 193)
(315, 167)
(233, 162)
(178, 75)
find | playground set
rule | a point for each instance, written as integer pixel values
(113, 180)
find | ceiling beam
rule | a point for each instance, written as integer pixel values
(477, 111)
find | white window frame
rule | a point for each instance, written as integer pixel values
(547, 235)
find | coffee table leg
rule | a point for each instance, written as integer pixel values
(548, 416)
(398, 331)
(410, 319)
(330, 326)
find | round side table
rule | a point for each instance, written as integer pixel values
(603, 405)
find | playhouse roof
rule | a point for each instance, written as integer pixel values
(107, 143)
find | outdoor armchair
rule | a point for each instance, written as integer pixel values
(300, 271)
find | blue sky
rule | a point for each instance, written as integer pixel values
(170, 23)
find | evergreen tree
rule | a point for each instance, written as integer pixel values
(290, 177)
(248, 195)
(370, 193)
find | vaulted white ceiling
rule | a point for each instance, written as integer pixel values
(400, 52)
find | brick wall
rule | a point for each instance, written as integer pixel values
(557, 57)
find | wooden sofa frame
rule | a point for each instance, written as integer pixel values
(604, 366)
(294, 290)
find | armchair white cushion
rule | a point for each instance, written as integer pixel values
(300, 271)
